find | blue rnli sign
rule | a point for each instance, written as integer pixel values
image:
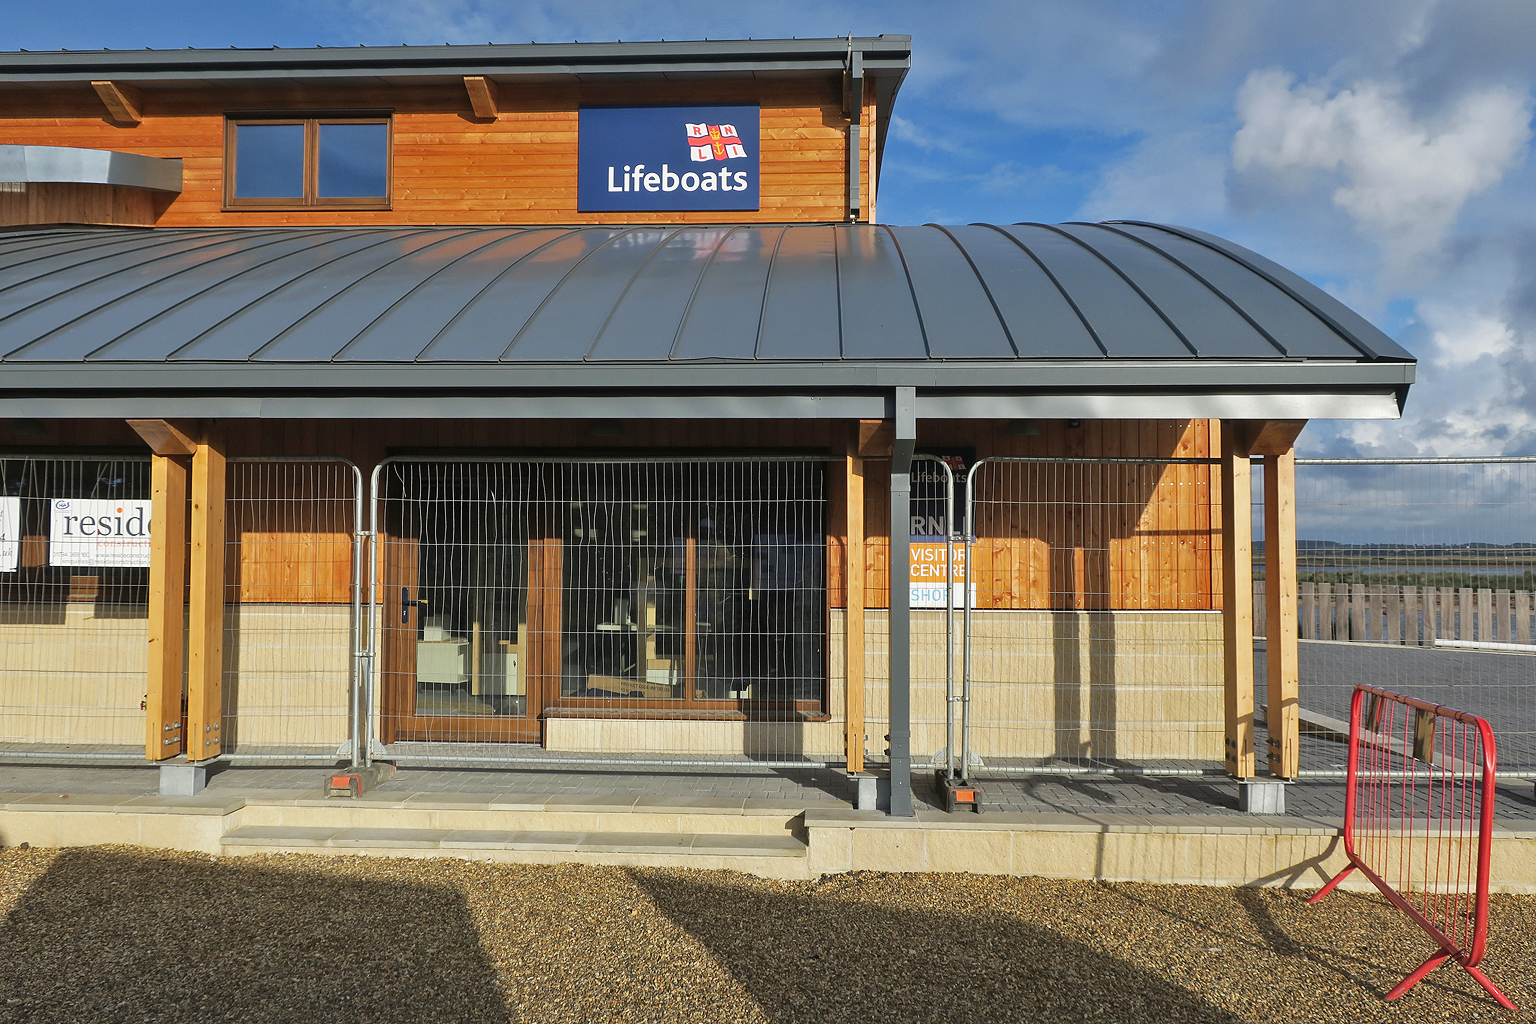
(667, 158)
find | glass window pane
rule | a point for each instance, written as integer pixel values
(269, 161)
(353, 160)
(469, 525)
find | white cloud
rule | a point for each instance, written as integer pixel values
(1463, 334)
(908, 131)
(1170, 177)
(1405, 180)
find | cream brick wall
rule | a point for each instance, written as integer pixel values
(72, 673)
(1105, 684)
(1138, 685)
(287, 676)
(76, 674)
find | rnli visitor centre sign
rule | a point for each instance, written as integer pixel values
(667, 158)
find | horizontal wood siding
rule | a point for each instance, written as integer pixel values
(1134, 538)
(58, 202)
(1146, 544)
(450, 168)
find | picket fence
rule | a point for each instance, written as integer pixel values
(1414, 616)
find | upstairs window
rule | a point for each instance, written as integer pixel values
(307, 163)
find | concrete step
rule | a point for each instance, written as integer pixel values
(425, 840)
(450, 812)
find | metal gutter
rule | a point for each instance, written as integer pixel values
(171, 377)
(872, 405)
(885, 55)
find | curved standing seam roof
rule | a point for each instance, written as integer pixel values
(763, 294)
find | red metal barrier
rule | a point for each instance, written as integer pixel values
(1418, 820)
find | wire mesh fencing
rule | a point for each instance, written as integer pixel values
(1417, 576)
(1093, 636)
(292, 608)
(626, 610)
(74, 605)
(934, 578)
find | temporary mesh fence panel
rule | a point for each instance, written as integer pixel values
(1416, 575)
(1418, 821)
(74, 605)
(935, 630)
(603, 609)
(1094, 640)
(291, 607)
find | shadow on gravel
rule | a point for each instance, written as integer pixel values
(106, 936)
(809, 959)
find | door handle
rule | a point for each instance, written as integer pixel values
(406, 604)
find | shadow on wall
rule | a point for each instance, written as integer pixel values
(1080, 735)
(174, 939)
(808, 959)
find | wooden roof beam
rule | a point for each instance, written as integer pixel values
(123, 102)
(1269, 437)
(482, 96)
(167, 437)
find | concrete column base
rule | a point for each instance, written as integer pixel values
(1261, 796)
(184, 778)
(874, 790)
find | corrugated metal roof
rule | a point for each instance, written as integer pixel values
(653, 296)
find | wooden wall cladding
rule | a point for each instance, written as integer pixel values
(57, 202)
(449, 166)
(1150, 542)
(1144, 537)
(288, 534)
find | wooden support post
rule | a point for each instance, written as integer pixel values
(853, 586)
(167, 580)
(1237, 598)
(205, 627)
(1282, 675)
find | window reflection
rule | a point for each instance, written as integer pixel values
(694, 580)
(269, 161)
(353, 160)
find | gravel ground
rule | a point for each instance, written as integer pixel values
(126, 934)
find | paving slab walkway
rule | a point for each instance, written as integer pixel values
(811, 786)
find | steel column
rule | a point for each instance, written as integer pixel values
(902, 447)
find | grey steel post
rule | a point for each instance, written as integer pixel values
(965, 590)
(370, 690)
(901, 602)
(359, 657)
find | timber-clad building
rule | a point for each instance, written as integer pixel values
(519, 404)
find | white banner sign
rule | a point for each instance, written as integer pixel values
(930, 572)
(93, 531)
(10, 533)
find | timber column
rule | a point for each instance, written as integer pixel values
(1237, 597)
(205, 620)
(167, 585)
(185, 453)
(1276, 442)
(853, 602)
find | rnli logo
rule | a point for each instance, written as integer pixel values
(708, 142)
(669, 158)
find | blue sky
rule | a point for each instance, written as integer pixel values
(1379, 147)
